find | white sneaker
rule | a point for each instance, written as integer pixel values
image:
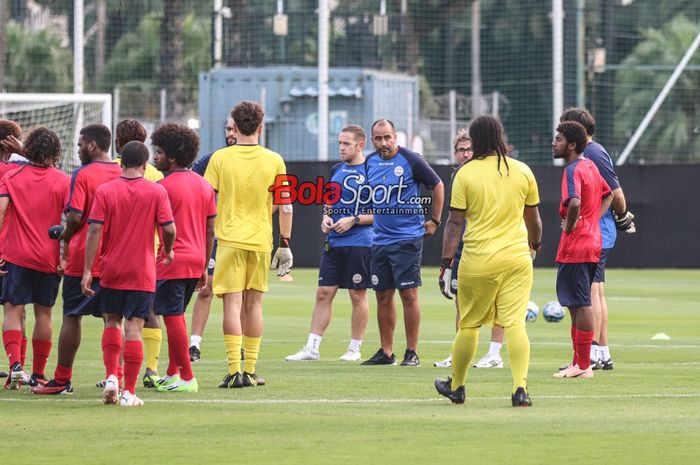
(447, 363)
(110, 394)
(303, 355)
(351, 356)
(490, 361)
(130, 400)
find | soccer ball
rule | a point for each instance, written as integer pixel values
(553, 312)
(532, 311)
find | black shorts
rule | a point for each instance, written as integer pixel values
(26, 286)
(212, 260)
(128, 304)
(574, 284)
(75, 303)
(346, 267)
(600, 269)
(173, 295)
(397, 266)
(455, 268)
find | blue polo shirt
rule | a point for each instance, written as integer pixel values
(200, 166)
(395, 195)
(597, 154)
(350, 178)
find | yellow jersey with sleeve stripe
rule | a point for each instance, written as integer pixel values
(152, 174)
(495, 237)
(241, 175)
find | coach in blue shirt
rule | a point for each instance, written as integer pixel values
(394, 175)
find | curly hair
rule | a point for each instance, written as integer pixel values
(574, 133)
(248, 116)
(487, 138)
(177, 141)
(581, 116)
(9, 128)
(42, 147)
(128, 130)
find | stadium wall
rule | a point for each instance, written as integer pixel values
(662, 197)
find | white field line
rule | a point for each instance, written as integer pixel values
(180, 400)
(568, 344)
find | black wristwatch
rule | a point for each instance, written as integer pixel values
(356, 220)
(437, 222)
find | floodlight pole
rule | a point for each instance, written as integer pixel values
(659, 100)
(78, 45)
(557, 64)
(218, 33)
(323, 15)
(477, 107)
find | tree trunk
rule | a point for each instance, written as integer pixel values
(4, 16)
(171, 57)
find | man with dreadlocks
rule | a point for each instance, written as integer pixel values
(495, 194)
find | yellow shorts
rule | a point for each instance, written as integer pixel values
(240, 270)
(500, 298)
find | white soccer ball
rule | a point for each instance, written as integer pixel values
(553, 312)
(532, 311)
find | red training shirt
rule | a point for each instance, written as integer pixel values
(38, 196)
(582, 180)
(194, 202)
(5, 167)
(85, 182)
(130, 209)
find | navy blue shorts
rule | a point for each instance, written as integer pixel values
(574, 284)
(600, 269)
(128, 304)
(397, 266)
(75, 303)
(173, 295)
(212, 260)
(346, 267)
(455, 268)
(2, 286)
(26, 286)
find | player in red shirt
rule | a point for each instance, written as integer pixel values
(97, 168)
(194, 208)
(124, 214)
(36, 194)
(585, 196)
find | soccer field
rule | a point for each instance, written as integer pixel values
(646, 411)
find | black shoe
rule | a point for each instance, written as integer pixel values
(3, 374)
(251, 380)
(596, 364)
(607, 364)
(380, 358)
(37, 380)
(53, 388)
(16, 378)
(410, 359)
(195, 354)
(444, 388)
(521, 398)
(149, 378)
(232, 381)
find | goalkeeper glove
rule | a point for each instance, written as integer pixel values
(445, 279)
(624, 222)
(283, 259)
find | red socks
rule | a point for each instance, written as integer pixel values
(41, 349)
(62, 374)
(24, 350)
(12, 340)
(178, 349)
(583, 345)
(573, 342)
(111, 347)
(133, 358)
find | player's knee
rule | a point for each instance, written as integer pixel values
(206, 293)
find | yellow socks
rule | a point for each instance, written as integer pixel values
(152, 338)
(519, 354)
(463, 350)
(233, 353)
(251, 347)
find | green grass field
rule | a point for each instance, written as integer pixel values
(646, 411)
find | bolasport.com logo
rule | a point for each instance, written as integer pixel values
(360, 197)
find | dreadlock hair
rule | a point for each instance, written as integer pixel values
(42, 147)
(487, 138)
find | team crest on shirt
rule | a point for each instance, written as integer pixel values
(212, 263)
(398, 171)
(357, 278)
(375, 279)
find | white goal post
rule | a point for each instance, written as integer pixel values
(65, 114)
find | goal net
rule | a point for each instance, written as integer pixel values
(64, 114)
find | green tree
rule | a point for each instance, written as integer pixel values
(674, 134)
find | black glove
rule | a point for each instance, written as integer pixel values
(445, 279)
(55, 231)
(624, 222)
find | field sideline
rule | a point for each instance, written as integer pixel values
(646, 411)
